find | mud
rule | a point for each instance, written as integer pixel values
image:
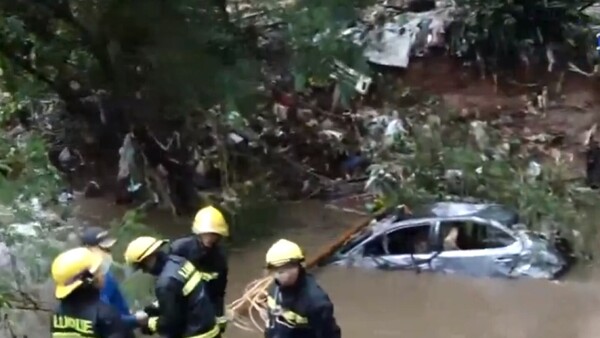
(394, 304)
(570, 112)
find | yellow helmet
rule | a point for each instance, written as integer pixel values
(142, 247)
(70, 267)
(210, 220)
(283, 252)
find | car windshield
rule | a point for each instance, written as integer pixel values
(356, 239)
(500, 214)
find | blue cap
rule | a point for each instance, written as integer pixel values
(96, 236)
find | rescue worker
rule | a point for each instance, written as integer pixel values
(98, 240)
(204, 249)
(184, 309)
(298, 306)
(78, 274)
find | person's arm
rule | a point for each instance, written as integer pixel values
(322, 320)
(116, 297)
(110, 324)
(219, 301)
(180, 247)
(170, 320)
(130, 321)
(220, 294)
(221, 282)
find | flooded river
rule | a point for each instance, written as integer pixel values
(406, 304)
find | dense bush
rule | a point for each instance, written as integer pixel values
(440, 159)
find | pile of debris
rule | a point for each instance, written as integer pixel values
(307, 141)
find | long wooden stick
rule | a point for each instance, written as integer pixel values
(256, 291)
(242, 308)
(328, 250)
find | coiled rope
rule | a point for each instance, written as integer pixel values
(249, 312)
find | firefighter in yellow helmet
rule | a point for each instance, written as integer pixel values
(78, 274)
(184, 309)
(204, 249)
(298, 306)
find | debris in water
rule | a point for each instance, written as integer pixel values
(92, 190)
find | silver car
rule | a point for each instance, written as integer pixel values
(464, 238)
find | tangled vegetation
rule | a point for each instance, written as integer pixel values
(439, 158)
(186, 65)
(506, 33)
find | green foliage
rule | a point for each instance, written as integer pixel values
(315, 36)
(26, 163)
(137, 287)
(179, 56)
(502, 31)
(445, 163)
(27, 232)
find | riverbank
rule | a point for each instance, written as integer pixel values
(392, 303)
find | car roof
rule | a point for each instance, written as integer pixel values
(440, 210)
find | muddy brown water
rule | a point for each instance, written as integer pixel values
(395, 304)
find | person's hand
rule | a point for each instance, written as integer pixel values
(146, 331)
(142, 318)
(222, 327)
(151, 310)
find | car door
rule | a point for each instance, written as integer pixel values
(407, 246)
(483, 247)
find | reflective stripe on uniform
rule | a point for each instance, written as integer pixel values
(290, 316)
(67, 326)
(208, 276)
(215, 331)
(152, 322)
(193, 277)
(222, 323)
(191, 283)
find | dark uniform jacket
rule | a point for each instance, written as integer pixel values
(184, 308)
(83, 314)
(212, 261)
(301, 311)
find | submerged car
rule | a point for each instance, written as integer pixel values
(463, 238)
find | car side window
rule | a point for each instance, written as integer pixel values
(408, 240)
(374, 247)
(468, 235)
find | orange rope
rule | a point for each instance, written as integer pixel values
(243, 312)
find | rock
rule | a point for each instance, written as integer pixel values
(65, 196)
(31, 229)
(72, 238)
(477, 130)
(393, 130)
(7, 215)
(534, 170)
